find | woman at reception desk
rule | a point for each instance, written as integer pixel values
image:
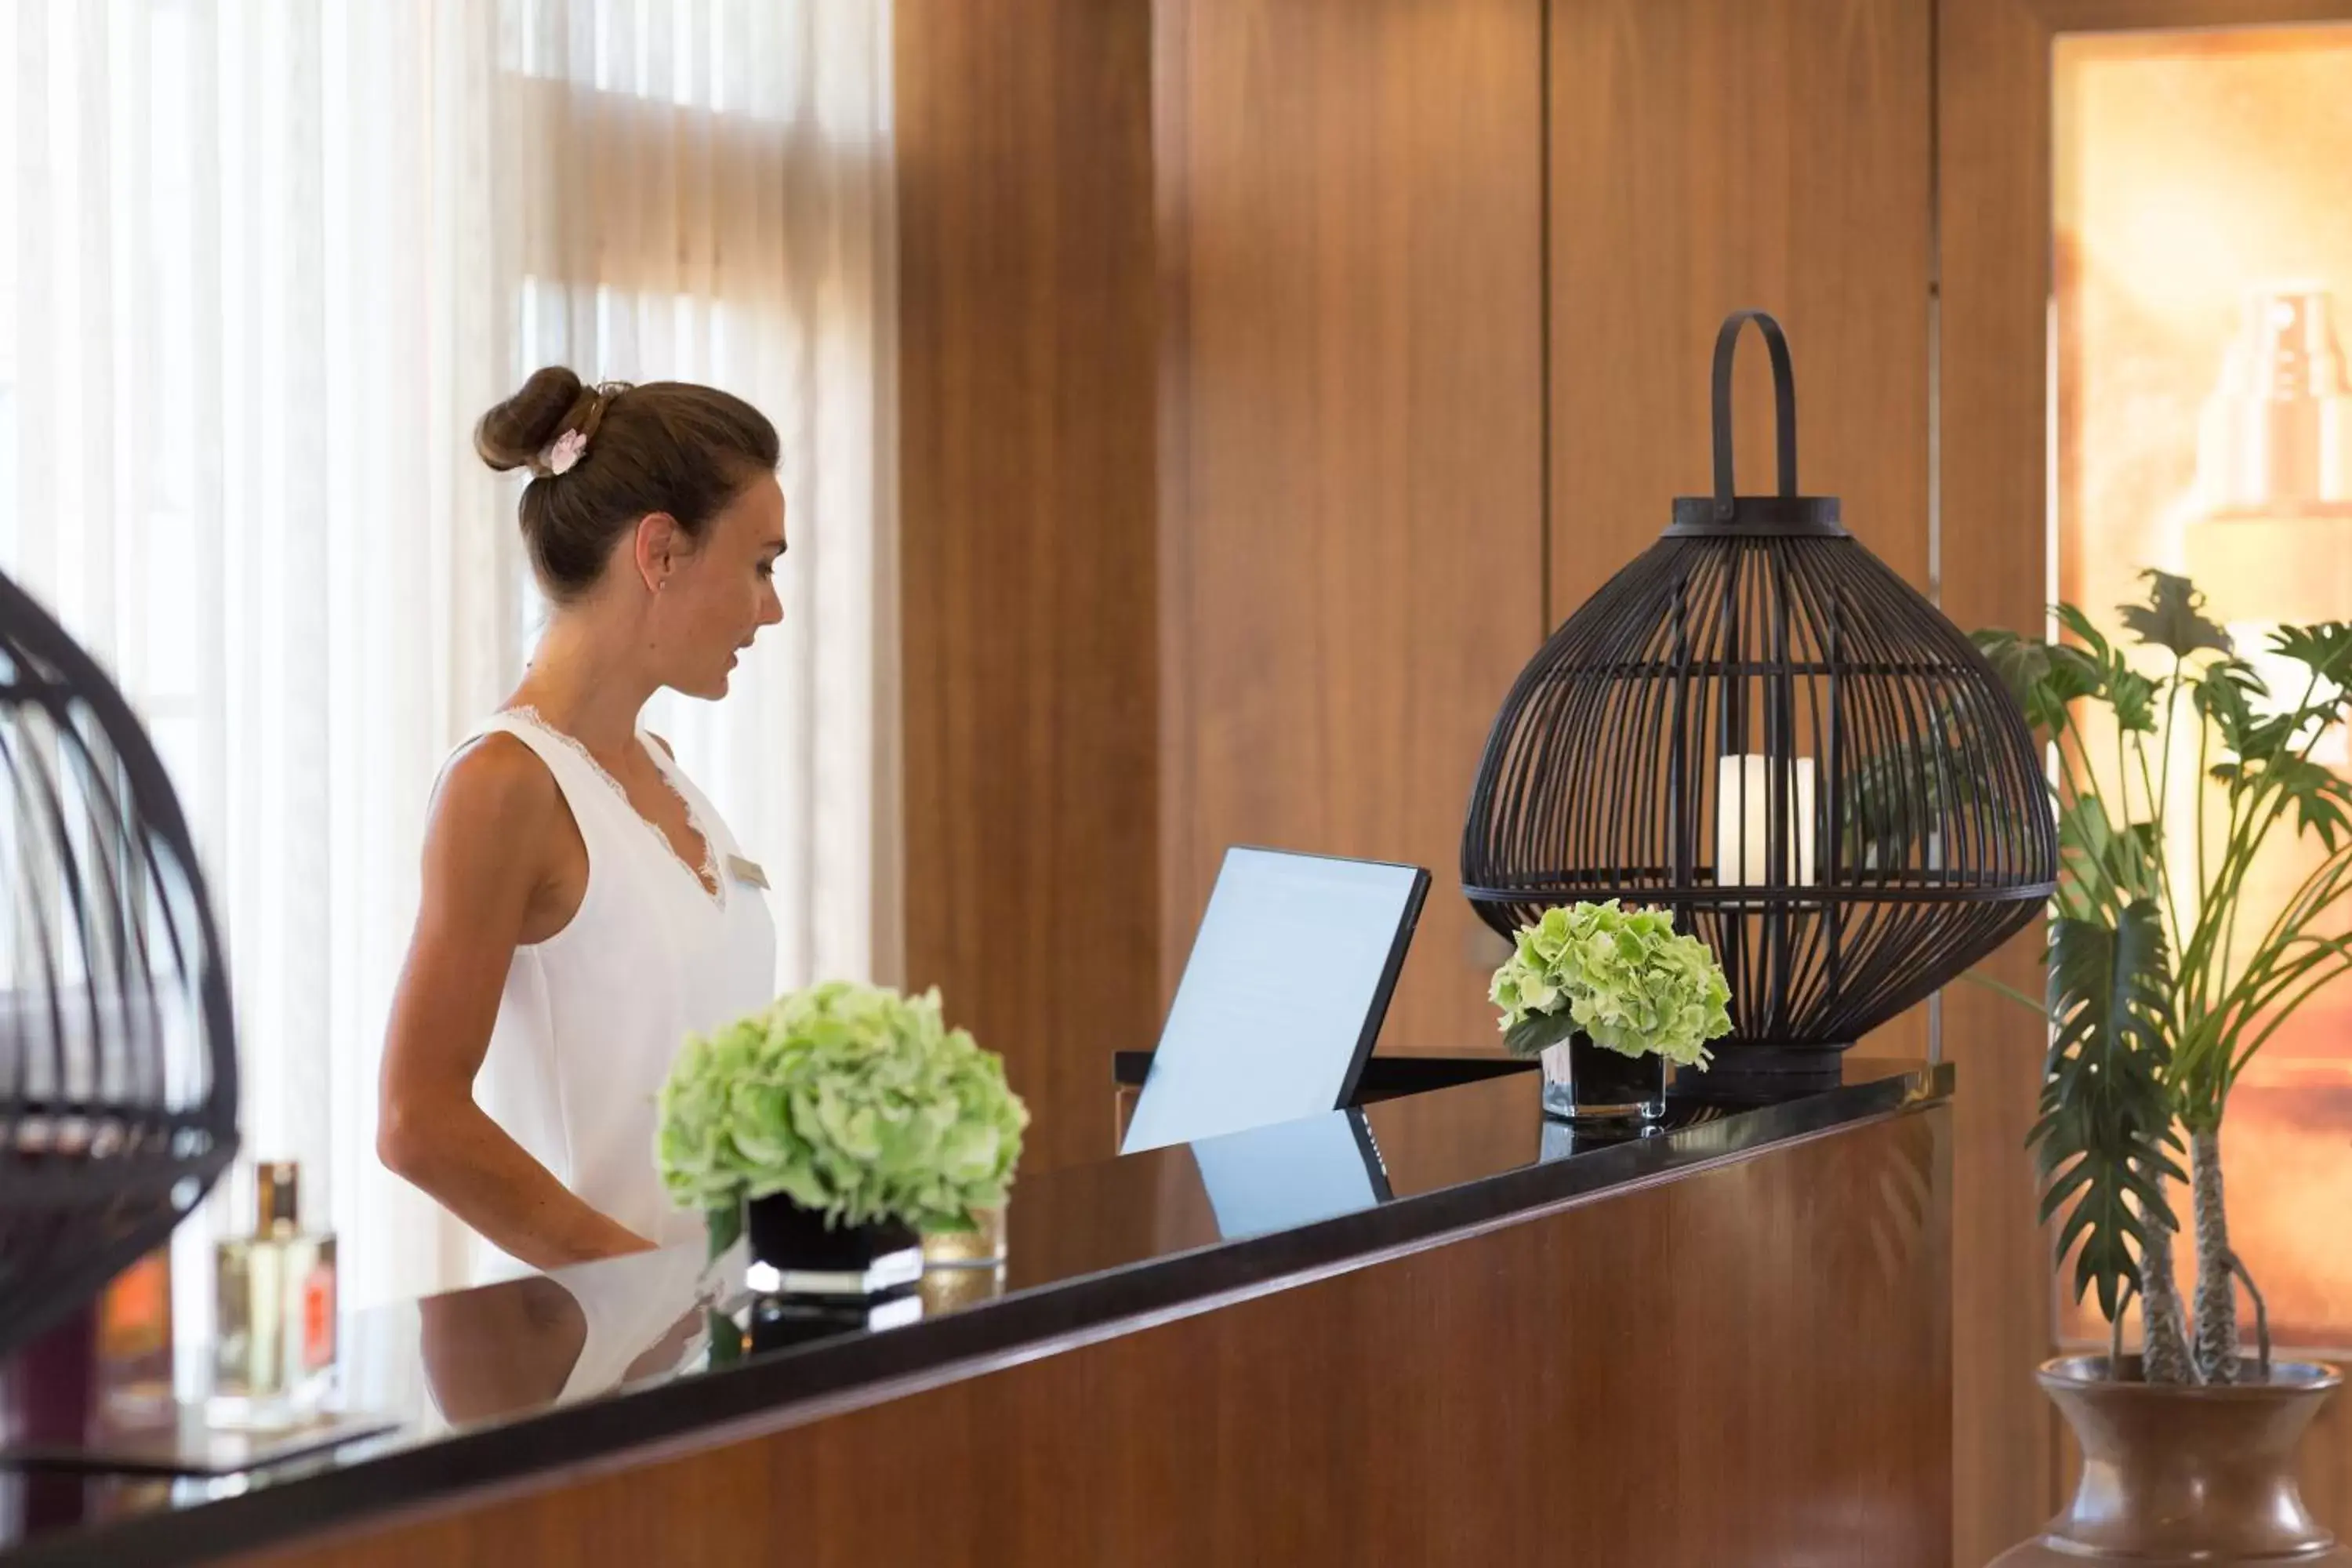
(540, 1003)
(1439, 1328)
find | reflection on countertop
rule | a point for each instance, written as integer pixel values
(508, 1379)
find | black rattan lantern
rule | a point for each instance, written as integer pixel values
(1759, 726)
(117, 1066)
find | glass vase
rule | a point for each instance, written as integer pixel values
(1591, 1085)
(980, 1247)
(797, 1251)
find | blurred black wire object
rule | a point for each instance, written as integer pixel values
(118, 1059)
(1759, 726)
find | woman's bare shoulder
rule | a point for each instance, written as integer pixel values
(497, 782)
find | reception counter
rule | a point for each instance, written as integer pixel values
(1438, 1328)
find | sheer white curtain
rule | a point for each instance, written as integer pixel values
(265, 262)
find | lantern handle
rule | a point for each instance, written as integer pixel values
(1784, 404)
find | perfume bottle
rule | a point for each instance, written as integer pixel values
(134, 1345)
(274, 1347)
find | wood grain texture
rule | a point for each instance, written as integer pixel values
(1995, 280)
(1350, 452)
(1710, 155)
(1026, 339)
(1994, 91)
(1746, 1364)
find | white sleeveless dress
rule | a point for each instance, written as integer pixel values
(591, 1017)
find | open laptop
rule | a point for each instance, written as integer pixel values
(1289, 977)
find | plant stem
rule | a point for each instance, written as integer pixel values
(2217, 914)
(2317, 891)
(2204, 743)
(2217, 1299)
(2237, 1063)
(2088, 775)
(2242, 834)
(2229, 928)
(2168, 903)
(2172, 689)
(2164, 1336)
(2115, 1332)
(2262, 1316)
(724, 1226)
(2279, 972)
(2001, 989)
(2208, 1041)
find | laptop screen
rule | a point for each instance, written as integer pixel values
(1282, 997)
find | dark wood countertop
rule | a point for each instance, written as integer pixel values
(517, 1380)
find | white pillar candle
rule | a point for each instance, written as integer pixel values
(1743, 819)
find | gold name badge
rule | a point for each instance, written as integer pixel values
(744, 870)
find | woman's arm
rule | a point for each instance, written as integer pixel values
(498, 834)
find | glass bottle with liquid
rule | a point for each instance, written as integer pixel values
(274, 1346)
(134, 1346)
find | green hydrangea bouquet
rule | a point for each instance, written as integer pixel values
(1624, 978)
(851, 1101)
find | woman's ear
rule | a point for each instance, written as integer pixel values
(658, 549)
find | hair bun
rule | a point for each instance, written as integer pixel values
(514, 433)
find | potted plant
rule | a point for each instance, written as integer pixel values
(835, 1125)
(2162, 985)
(1606, 998)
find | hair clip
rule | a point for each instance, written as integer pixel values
(564, 452)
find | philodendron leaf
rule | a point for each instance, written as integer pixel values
(2229, 695)
(2046, 679)
(2106, 865)
(2106, 1117)
(2129, 695)
(2325, 649)
(2174, 617)
(2132, 696)
(2318, 794)
(2021, 662)
(2095, 642)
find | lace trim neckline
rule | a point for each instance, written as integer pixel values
(706, 875)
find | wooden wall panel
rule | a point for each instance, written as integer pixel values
(1026, 440)
(1712, 154)
(1995, 286)
(1641, 1379)
(1351, 456)
(1995, 221)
